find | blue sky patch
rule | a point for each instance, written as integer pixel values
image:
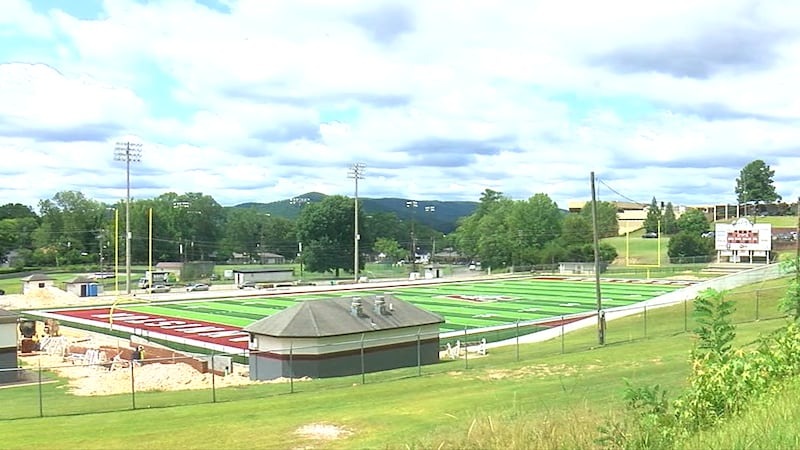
(81, 9)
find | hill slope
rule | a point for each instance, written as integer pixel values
(440, 215)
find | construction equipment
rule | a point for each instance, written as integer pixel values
(51, 327)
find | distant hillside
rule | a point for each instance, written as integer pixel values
(440, 215)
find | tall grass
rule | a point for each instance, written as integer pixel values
(770, 422)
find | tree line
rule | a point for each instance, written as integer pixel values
(72, 229)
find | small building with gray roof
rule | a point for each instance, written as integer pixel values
(36, 281)
(343, 336)
(8, 346)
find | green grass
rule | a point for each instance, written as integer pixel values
(547, 399)
(770, 422)
(634, 250)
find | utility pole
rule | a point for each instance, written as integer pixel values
(601, 338)
(356, 173)
(128, 152)
(413, 204)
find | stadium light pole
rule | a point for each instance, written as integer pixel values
(128, 152)
(356, 173)
(431, 209)
(413, 204)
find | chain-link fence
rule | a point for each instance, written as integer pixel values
(100, 380)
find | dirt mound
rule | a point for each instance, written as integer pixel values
(48, 297)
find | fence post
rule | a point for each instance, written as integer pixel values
(419, 353)
(363, 376)
(466, 349)
(645, 320)
(562, 334)
(41, 402)
(291, 367)
(685, 316)
(133, 386)
(517, 339)
(758, 301)
(213, 380)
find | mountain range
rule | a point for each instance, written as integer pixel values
(439, 215)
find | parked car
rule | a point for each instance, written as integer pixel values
(197, 287)
(650, 235)
(160, 288)
(248, 284)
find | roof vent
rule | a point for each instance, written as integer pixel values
(355, 307)
(380, 305)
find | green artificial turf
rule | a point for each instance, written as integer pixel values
(521, 300)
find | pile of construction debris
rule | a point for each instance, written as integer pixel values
(96, 364)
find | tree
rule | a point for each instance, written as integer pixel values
(790, 302)
(755, 184)
(504, 232)
(70, 227)
(496, 245)
(383, 225)
(689, 247)
(243, 231)
(326, 230)
(390, 248)
(652, 223)
(577, 241)
(585, 253)
(467, 235)
(538, 219)
(693, 222)
(16, 211)
(607, 224)
(715, 329)
(669, 224)
(576, 230)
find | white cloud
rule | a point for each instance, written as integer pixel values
(440, 99)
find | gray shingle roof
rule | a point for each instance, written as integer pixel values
(38, 277)
(81, 280)
(7, 316)
(333, 317)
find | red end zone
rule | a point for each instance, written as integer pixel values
(221, 337)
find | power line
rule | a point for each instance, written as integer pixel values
(617, 192)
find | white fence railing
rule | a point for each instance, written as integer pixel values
(723, 283)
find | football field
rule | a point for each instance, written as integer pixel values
(463, 305)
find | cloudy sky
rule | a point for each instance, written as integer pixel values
(254, 100)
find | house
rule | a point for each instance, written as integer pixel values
(8, 346)
(343, 336)
(270, 258)
(36, 281)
